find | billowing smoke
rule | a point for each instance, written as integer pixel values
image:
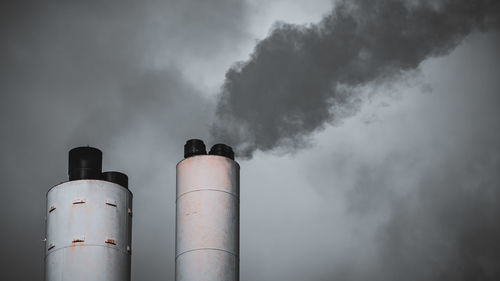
(301, 77)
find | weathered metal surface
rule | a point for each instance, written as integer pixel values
(89, 233)
(207, 222)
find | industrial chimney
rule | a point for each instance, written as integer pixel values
(89, 222)
(207, 222)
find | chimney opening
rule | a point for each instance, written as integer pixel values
(222, 150)
(194, 147)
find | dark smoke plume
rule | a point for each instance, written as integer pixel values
(300, 77)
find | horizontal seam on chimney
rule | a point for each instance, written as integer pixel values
(206, 189)
(86, 245)
(212, 249)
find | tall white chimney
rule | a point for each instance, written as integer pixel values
(207, 222)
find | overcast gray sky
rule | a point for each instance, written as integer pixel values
(404, 186)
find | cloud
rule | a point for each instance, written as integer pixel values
(303, 76)
(422, 183)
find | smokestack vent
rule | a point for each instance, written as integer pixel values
(84, 163)
(194, 147)
(222, 150)
(116, 177)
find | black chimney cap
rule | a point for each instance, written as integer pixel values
(84, 163)
(222, 150)
(194, 147)
(116, 177)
